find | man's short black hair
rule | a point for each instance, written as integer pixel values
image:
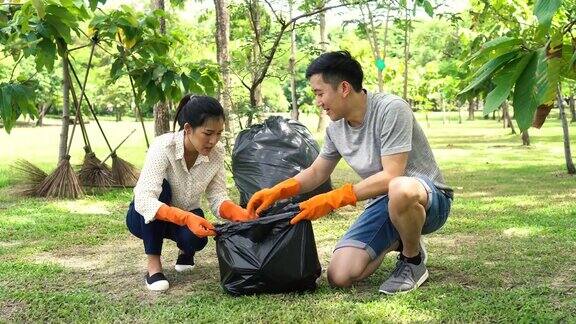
(336, 67)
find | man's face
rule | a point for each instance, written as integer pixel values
(328, 98)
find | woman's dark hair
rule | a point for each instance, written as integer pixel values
(195, 110)
(336, 67)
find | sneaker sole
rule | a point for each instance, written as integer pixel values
(158, 286)
(420, 282)
(183, 267)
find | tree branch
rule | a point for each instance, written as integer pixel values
(279, 19)
(14, 68)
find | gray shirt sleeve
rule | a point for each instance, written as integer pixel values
(396, 135)
(329, 150)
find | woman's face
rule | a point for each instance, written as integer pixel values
(205, 137)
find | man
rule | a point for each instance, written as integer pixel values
(379, 138)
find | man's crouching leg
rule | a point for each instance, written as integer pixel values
(350, 265)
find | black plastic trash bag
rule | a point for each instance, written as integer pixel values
(268, 153)
(267, 255)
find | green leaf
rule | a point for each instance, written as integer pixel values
(185, 82)
(568, 65)
(39, 6)
(61, 14)
(487, 69)
(45, 55)
(152, 94)
(545, 10)
(208, 84)
(24, 100)
(549, 70)
(504, 82)
(6, 109)
(496, 47)
(62, 29)
(145, 79)
(525, 99)
(94, 4)
(158, 72)
(167, 80)
(428, 8)
(116, 70)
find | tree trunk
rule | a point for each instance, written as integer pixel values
(507, 119)
(525, 138)
(63, 147)
(291, 68)
(373, 40)
(572, 106)
(406, 51)
(470, 109)
(443, 111)
(567, 154)
(256, 89)
(322, 118)
(45, 108)
(384, 48)
(459, 114)
(223, 57)
(504, 107)
(161, 111)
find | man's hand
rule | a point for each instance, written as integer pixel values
(198, 225)
(264, 198)
(235, 213)
(323, 204)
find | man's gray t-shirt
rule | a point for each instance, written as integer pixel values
(389, 127)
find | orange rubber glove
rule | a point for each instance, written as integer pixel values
(323, 204)
(264, 198)
(235, 213)
(198, 225)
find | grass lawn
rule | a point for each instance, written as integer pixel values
(507, 252)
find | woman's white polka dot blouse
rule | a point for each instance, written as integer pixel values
(165, 160)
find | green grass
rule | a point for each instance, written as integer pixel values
(506, 253)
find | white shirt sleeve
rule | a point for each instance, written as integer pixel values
(149, 185)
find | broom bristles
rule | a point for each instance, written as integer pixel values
(62, 183)
(125, 174)
(94, 173)
(30, 176)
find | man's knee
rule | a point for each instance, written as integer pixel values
(338, 277)
(403, 193)
(403, 189)
(347, 266)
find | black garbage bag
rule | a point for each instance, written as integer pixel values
(268, 153)
(267, 255)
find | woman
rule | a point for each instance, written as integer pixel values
(179, 168)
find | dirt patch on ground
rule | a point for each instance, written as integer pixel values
(118, 268)
(9, 310)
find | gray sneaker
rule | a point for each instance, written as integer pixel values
(406, 277)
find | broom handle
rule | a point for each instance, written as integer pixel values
(117, 147)
(82, 92)
(134, 94)
(91, 109)
(65, 58)
(138, 108)
(79, 118)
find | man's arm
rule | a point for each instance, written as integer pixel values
(316, 174)
(377, 184)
